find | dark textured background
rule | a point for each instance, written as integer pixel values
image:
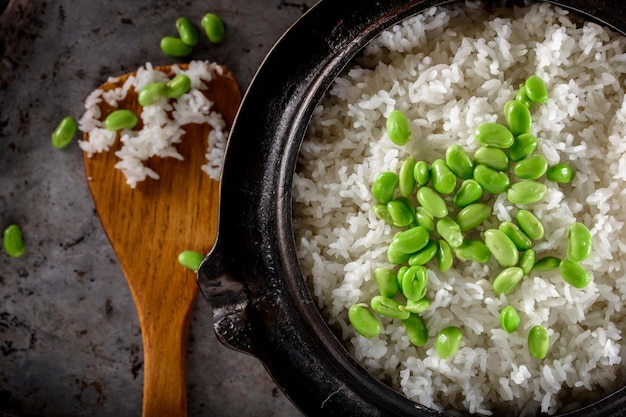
(70, 341)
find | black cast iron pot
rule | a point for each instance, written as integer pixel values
(252, 278)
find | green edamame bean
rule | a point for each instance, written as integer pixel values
(561, 173)
(398, 128)
(445, 256)
(384, 186)
(120, 119)
(213, 27)
(421, 173)
(401, 211)
(64, 132)
(416, 330)
(509, 319)
(411, 240)
(386, 281)
(406, 178)
(574, 274)
(424, 219)
(450, 231)
(506, 281)
(493, 134)
(448, 341)
(13, 241)
(547, 263)
(530, 224)
(517, 115)
(190, 259)
(473, 215)
(526, 192)
(501, 247)
(469, 192)
(152, 94)
(490, 180)
(527, 261)
(432, 202)
(418, 306)
(178, 86)
(414, 283)
(380, 210)
(492, 157)
(396, 257)
(523, 145)
(400, 275)
(443, 180)
(175, 47)
(459, 162)
(538, 342)
(187, 31)
(517, 236)
(522, 97)
(364, 321)
(531, 168)
(474, 251)
(389, 308)
(578, 242)
(424, 255)
(536, 89)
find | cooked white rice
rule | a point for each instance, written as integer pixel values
(163, 122)
(449, 71)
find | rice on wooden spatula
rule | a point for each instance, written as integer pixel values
(150, 224)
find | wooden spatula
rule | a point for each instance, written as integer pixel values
(148, 227)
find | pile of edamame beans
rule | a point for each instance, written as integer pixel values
(435, 231)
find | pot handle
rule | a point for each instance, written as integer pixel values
(229, 300)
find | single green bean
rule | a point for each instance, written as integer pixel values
(120, 119)
(384, 186)
(175, 47)
(526, 192)
(547, 263)
(414, 283)
(536, 89)
(418, 306)
(518, 117)
(213, 27)
(561, 173)
(389, 308)
(448, 341)
(432, 202)
(490, 180)
(574, 274)
(152, 94)
(425, 219)
(501, 247)
(386, 281)
(492, 157)
(398, 128)
(364, 321)
(187, 31)
(531, 168)
(380, 210)
(416, 330)
(443, 180)
(506, 281)
(411, 240)
(527, 261)
(190, 259)
(450, 231)
(406, 178)
(493, 134)
(509, 319)
(530, 224)
(523, 145)
(538, 342)
(517, 236)
(178, 86)
(474, 251)
(396, 257)
(424, 255)
(522, 97)
(459, 162)
(578, 242)
(401, 211)
(13, 241)
(473, 215)
(64, 132)
(421, 173)
(469, 192)
(445, 256)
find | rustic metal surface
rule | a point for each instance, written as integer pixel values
(69, 336)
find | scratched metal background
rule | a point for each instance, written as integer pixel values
(69, 338)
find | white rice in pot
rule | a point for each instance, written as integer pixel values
(450, 70)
